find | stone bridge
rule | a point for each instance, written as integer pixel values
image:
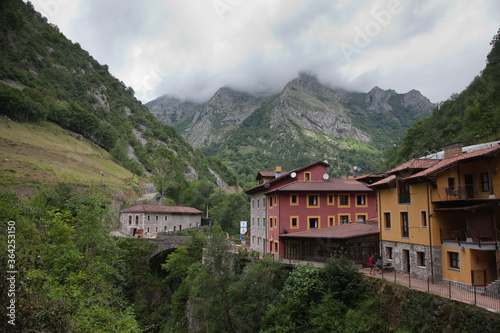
(166, 243)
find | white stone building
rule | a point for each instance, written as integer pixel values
(150, 220)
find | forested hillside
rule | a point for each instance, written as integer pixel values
(43, 75)
(471, 116)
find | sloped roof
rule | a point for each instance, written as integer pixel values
(414, 164)
(266, 174)
(343, 231)
(384, 183)
(284, 174)
(330, 185)
(161, 209)
(448, 162)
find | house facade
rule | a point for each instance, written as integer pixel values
(150, 220)
(306, 200)
(258, 209)
(439, 217)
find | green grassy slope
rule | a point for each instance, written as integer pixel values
(44, 152)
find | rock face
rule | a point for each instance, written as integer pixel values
(316, 107)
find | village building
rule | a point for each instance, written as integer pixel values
(150, 220)
(306, 202)
(439, 216)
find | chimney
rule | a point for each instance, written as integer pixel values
(277, 171)
(453, 150)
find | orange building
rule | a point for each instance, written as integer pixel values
(439, 217)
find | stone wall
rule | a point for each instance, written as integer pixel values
(400, 264)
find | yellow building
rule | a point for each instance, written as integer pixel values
(439, 217)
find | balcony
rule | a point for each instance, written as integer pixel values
(465, 193)
(473, 236)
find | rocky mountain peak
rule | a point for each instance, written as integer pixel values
(415, 100)
(377, 100)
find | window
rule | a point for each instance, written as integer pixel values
(263, 223)
(343, 200)
(156, 229)
(180, 228)
(270, 246)
(312, 200)
(331, 221)
(253, 239)
(454, 260)
(149, 218)
(165, 217)
(421, 259)
(404, 192)
(313, 222)
(253, 203)
(253, 222)
(331, 199)
(361, 200)
(275, 222)
(270, 222)
(404, 225)
(156, 218)
(485, 182)
(130, 219)
(258, 203)
(451, 183)
(388, 252)
(263, 202)
(387, 220)
(258, 222)
(423, 219)
(174, 228)
(307, 176)
(137, 220)
(294, 222)
(361, 218)
(344, 219)
(147, 230)
(258, 240)
(294, 199)
(165, 229)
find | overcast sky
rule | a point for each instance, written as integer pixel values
(191, 48)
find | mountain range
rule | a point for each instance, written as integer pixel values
(307, 121)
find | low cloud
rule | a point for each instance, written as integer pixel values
(190, 49)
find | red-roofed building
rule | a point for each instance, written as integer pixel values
(150, 220)
(306, 200)
(440, 217)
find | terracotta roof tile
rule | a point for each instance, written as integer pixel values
(161, 209)
(343, 231)
(414, 164)
(330, 185)
(448, 162)
(386, 182)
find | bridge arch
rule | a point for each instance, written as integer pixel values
(166, 244)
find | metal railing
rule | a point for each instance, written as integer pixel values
(479, 236)
(486, 297)
(465, 193)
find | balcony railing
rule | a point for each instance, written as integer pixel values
(465, 192)
(476, 236)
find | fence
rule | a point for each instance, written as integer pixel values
(479, 296)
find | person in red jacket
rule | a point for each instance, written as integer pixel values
(371, 263)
